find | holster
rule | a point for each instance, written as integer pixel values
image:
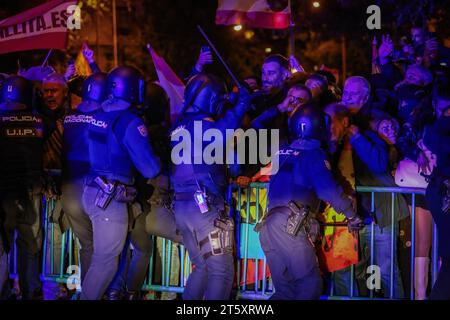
(221, 238)
(109, 190)
(298, 215)
(297, 218)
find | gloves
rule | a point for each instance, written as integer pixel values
(354, 224)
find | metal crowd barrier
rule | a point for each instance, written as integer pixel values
(434, 259)
(252, 274)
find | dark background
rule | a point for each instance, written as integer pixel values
(170, 27)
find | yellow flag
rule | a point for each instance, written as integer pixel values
(82, 67)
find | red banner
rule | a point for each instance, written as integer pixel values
(42, 27)
(268, 14)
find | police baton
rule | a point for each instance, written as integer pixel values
(220, 57)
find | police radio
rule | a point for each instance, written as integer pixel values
(201, 199)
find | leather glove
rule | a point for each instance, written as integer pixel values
(354, 224)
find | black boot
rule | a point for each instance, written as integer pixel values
(112, 294)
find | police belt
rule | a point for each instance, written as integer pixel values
(286, 211)
(282, 209)
(120, 191)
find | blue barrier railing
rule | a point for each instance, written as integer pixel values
(250, 204)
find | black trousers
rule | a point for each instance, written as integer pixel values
(434, 197)
(20, 210)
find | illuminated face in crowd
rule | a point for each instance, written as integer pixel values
(418, 36)
(295, 98)
(339, 124)
(356, 93)
(273, 77)
(388, 131)
(298, 97)
(54, 94)
(416, 76)
(338, 128)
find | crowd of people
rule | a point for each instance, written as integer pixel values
(99, 148)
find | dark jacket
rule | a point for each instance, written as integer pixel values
(371, 164)
(437, 140)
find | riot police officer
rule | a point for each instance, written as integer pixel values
(437, 140)
(289, 228)
(153, 208)
(21, 173)
(200, 188)
(76, 166)
(118, 145)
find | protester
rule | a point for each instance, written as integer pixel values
(370, 161)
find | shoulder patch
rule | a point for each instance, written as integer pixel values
(288, 152)
(327, 164)
(142, 130)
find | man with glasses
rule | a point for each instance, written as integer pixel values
(277, 116)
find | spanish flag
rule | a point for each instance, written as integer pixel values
(269, 14)
(82, 67)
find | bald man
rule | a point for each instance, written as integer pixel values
(356, 98)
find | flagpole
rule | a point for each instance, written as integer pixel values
(344, 57)
(114, 32)
(46, 58)
(236, 81)
(291, 46)
(97, 35)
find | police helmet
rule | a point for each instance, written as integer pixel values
(205, 93)
(308, 122)
(125, 83)
(16, 93)
(94, 88)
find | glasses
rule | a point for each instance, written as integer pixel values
(294, 99)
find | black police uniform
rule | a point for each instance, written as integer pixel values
(21, 171)
(304, 177)
(154, 217)
(212, 276)
(118, 145)
(76, 166)
(437, 139)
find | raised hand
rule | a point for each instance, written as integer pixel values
(204, 58)
(386, 48)
(293, 63)
(70, 71)
(88, 53)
